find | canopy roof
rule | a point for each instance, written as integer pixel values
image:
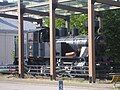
(35, 8)
(11, 24)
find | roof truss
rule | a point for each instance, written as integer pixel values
(109, 2)
(16, 17)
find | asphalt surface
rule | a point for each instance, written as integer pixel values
(15, 85)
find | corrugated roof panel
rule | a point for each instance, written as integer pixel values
(43, 5)
(12, 24)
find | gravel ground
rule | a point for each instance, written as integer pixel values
(7, 82)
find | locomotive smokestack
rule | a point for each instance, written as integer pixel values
(63, 32)
(75, 32)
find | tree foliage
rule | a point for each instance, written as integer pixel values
(58, 22)
(111, 27)
(75, 21)
(78, 21)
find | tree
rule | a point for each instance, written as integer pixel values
(78, 21)
(75, 21)
(111, 27)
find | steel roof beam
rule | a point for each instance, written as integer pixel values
(42, 13)
(109, 2)
(16, 17)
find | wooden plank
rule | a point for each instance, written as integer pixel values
(75, 9)
(32, 6)
(109, 2)
(20, 39)
(52, 40)
(42, 13)
(70, 8)
(16, 17)
(91, 43)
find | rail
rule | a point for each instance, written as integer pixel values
(61, 70)
(9, 69)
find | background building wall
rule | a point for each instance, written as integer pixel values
(8, 30)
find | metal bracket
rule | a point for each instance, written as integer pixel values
(93, 1)
(22, 8)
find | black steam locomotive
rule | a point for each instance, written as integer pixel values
(71, 53)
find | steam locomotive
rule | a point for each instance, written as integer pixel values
(71, 53)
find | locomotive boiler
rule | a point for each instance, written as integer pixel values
(71, 53)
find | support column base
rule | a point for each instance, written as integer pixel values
(21, 76)
(91, 80)
(52, 77)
